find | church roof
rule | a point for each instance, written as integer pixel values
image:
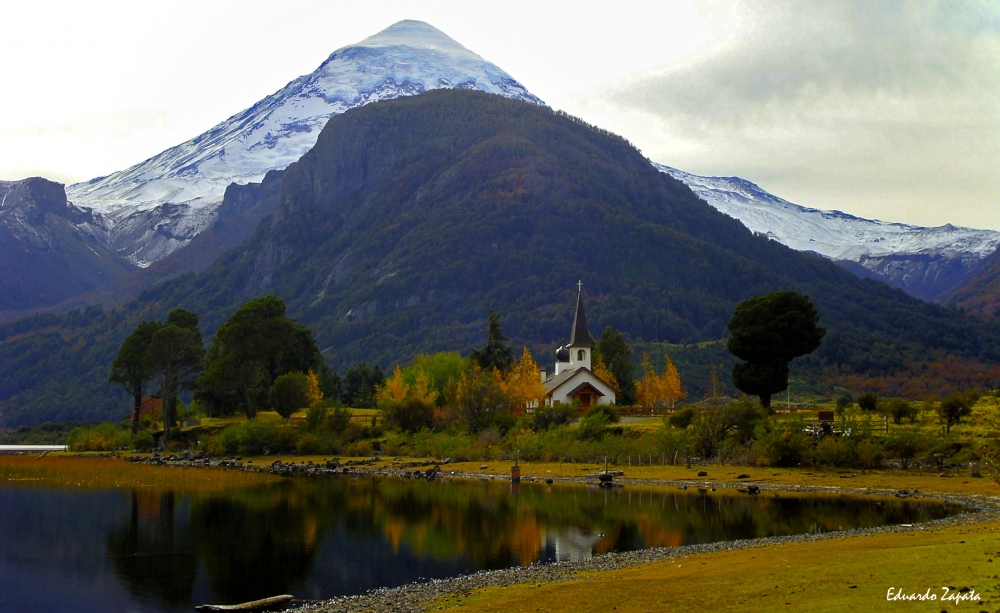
(556, 381)
(580, 336)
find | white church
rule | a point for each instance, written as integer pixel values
(574, 378)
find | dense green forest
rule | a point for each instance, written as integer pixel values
(411, 218)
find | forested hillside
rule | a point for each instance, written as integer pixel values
(411, 218)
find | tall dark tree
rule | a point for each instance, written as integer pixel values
(360, 383)
(130, 368)
(497, 353)
(615, 353)
(175, 357)
(767, 333)
(254, 347)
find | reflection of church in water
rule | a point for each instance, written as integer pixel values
(569, 545)
(574, 378)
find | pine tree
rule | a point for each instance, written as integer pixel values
(496, 354)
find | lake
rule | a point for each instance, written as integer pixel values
(149, 550)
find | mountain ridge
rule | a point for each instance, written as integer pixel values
(928, 263)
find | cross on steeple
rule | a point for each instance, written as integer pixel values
(579, 286)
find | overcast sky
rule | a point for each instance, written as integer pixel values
(883, 109)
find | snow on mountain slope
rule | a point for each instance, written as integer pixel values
(836, 235)
(926, 262)
(406, 59)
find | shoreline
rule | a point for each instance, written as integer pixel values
(981, 508)
(417, 597)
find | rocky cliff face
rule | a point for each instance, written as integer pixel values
(51, 250)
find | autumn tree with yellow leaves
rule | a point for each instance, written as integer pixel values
(604, 373)
(523, 381)
(314, 394)
(660, 389)
(406, 407)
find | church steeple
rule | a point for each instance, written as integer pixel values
(580, 336)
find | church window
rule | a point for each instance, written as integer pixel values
(580, 355)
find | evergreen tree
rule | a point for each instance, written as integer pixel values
(361, 383)
(174, 357)
(254, 347)
(496, 354)
(767, 333)
(130, 368)
(612, 349)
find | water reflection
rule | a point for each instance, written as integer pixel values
(170, 550)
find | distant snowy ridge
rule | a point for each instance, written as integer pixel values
(836, 235)
(408, 58)
(929, 263)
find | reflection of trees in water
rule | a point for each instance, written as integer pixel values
(263, 541)
(148, 554)
(254, 551)
(252, 544)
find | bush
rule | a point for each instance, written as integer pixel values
(142, 441)
(905, 445)
(255, 437)
(870, 454)
(410, 414)
(736, 421)
(317, 415)
(359, 449)
(848, 452)
(289, 393)
(843, 402)
(832, 451)
(682, 418)
(672, 443)
(868, 402)
(897, 409)
(608, 410)
(593, 426)
(782, 444)
(314, 444)
(504, 421)
(548, 417)
(102, 437)
(340, 419)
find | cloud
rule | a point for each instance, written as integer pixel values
(120, 124)
(886, 105)
(23, 172)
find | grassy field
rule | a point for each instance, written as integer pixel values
(62, 470)
(829, 575)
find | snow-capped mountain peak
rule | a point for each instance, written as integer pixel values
(413, 33)
(186, 183)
